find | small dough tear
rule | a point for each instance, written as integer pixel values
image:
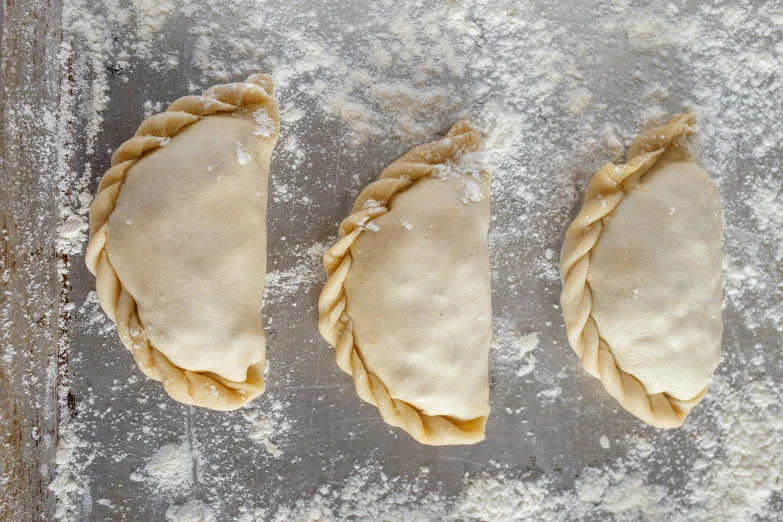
(178, 243)
(642, 281)
(407, 303)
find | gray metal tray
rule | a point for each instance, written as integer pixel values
(547, 426)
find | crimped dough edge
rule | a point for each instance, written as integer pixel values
(336, 326)
(204, 389)
(603, 194)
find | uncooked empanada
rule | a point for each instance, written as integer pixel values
(178, 243)
(642, 282)
(407, 303)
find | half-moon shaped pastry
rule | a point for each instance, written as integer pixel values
(407, 303)
(642, 281)
(178, 243)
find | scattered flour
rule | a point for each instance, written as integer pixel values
(243, 156)
(648, 31)
(171, 467)
(549, 102)
(370, 226)
(749, 429)
(70, 485)
(527, 344)
(267, 423)
(513, 351)
(191, 511)
(363, 497)
(265, 125)
(467, 166)
(749, 444)
(152, 108)
(376, 110)
(298, 280)
(95, 316)
(550, 393)
(493, 499)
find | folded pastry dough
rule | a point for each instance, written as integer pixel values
(407, 303)
(642, 282)
(178, 243)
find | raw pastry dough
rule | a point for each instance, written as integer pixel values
(642, 282)
(407, 303)
(178, 243)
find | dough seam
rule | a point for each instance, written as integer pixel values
(198, 388)
(336, 326)
(603, 194)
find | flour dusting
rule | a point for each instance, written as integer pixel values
(555, 97)
(171, 467)
(191, 511)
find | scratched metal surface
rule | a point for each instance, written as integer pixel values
(123, 420)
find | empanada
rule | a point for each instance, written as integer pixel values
(642, 281)
(407, 303)
(178, 243)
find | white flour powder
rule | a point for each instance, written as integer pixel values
(749, 430)
(266, 426)
(511, 350)
(288, 283)
(554, 101)
(171, 467)
(191, 511)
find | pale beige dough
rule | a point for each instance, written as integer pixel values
(655, 274)
(407, 302)
(188, 239)
(420, 299)
(178, 242)
(642, 281)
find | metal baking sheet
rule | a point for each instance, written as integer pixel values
(548, 425)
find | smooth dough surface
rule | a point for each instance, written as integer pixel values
(188, 240)
(419, 294)
(655, 277)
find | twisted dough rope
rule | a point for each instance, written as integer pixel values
(199, 388)
(336, 325)
(603, 194)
